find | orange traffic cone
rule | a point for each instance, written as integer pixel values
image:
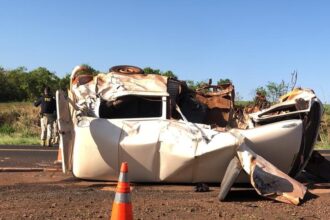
(122, 206)
(59, 156)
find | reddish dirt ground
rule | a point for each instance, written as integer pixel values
(53, 195)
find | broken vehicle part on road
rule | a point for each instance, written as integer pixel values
(266, 179)
(169, 133)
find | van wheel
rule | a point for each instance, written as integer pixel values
(125, 69)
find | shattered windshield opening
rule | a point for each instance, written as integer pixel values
(132, 106)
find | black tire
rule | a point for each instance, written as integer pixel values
(126, 69)
(311, 128)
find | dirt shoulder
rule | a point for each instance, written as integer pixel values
(53, 195)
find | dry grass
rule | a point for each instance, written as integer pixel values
(19, 123)
(325, 129)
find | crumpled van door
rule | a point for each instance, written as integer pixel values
(66, 130)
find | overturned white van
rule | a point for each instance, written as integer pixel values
(150, 122)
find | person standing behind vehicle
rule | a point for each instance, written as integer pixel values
(47, 112)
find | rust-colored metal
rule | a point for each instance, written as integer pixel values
(260, 103)
(220, 102)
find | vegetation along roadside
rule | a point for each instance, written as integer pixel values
(19, 119)
(19, 125)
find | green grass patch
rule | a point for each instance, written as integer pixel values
(18, 139)
(322, 147)
(6, 129)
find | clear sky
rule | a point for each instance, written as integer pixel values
(250, 42)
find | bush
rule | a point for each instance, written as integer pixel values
(6, 129)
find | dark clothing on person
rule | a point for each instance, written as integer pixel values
(47, 104)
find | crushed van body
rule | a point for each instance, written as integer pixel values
(170, 133)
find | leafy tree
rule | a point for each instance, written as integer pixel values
(168, 73)
(89, 70)
(196, 84)
(39, 79)
(223, 81)
(64, 83)
(275, 90)
(149, 70)
(15, 88)
(261, 90)
(4, 85)
(19, 84)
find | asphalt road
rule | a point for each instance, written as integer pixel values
(43, 157)
(27, 156)
(55, 195)
(325, 153)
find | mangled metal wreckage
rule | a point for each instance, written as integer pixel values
(169, 133)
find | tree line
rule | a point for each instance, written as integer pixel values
(19, 84)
